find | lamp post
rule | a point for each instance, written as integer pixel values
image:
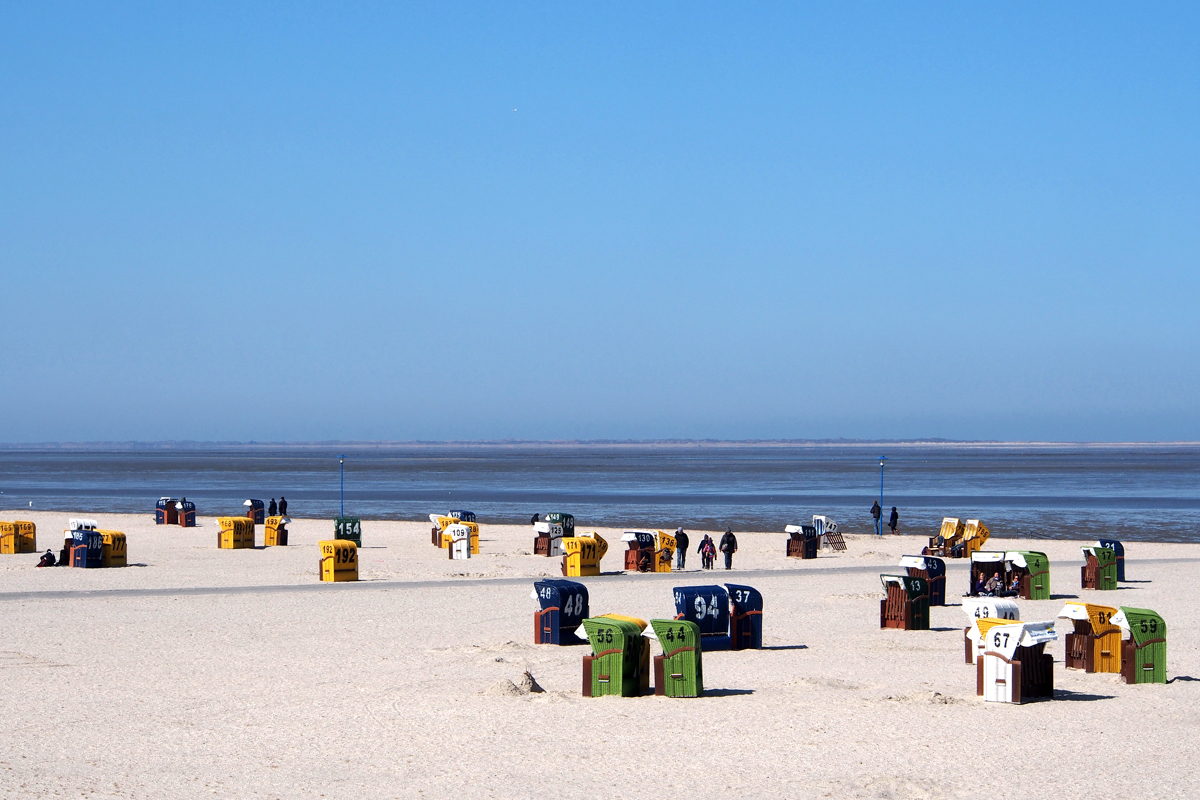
(342, 493)
(879, 522)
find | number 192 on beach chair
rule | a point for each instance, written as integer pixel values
(339, 560)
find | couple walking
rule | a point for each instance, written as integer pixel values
(877, 514)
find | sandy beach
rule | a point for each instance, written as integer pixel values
(201, 672)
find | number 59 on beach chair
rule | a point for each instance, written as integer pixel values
(1144, 654)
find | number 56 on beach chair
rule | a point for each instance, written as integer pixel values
(620, 660)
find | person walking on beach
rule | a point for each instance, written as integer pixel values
(877, 514)
(272, 509)
(681, 546)
(894, 520)
(706, 551)
(728, 547)
(282, 506)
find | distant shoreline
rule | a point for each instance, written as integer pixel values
(576, 443)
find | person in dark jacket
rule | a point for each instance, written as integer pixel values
(535, 519)
(272, 509)
(894, 519)
(681, 542)
(282, 506)
(877, 515)
(48, 559)
(728, 547)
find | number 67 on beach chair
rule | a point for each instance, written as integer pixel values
(1014, 666)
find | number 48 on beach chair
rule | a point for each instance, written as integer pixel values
(563, 607)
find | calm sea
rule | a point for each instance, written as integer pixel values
(1141, 492)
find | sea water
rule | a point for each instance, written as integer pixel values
(1135, 492)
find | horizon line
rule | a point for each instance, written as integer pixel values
(380, 443)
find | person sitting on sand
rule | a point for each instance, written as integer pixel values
(47, 560)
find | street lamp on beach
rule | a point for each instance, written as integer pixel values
(342, 493)
(879, 522)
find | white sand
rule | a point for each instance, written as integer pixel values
(382, 689)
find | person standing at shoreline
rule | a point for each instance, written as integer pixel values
(681, 546)
(282, 506)
(877, 515)
(894, 520)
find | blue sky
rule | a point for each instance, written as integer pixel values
(302, 222)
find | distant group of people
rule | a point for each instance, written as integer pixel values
(277, 510)
(995, 586)
(707, 549)
(877, 515)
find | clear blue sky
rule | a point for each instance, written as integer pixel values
(597, 220)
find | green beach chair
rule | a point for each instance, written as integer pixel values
(678, 672)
